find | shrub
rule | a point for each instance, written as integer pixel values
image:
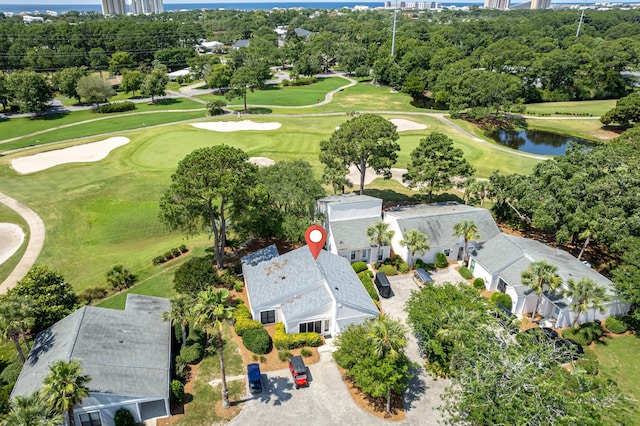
(158, 260)
(216, 107)
(257, 341)
(441, 260)
(183, 248)
(388, 261)
(192, 354)
(168, 256)
(176, 252)
(282, 340)
(389, 270)
(177, 392)
(93, 293)
(403, 267)
(306, 352)
(584, 334)
(377, 265)
(504, 300)
(238, 286)
(181, 369)
(243, 320)
(615, 325)
(283, 355)
(116, 107)
(479, 283)
(10, 374)
(196, 335)
(123, 417)
(429, 266)
(368, 285)
(465, 273)
(120, 278)
(362, 71)
(419, 263)
(359, 266)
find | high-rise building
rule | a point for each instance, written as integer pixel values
(138, 7)
(540, 4)
(113, 7)
(497, 4)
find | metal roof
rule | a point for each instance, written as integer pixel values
(347, 198)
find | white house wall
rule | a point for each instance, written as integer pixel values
(325, 313)
(565, 319)
(514, 298)
(331, 242)
(479, 271)
(108, 404)
(398, 249)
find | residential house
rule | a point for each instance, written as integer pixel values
(240, 43)
(436, 221)
(346, 219)
(127, 355)
(501, 260)
(305, 294)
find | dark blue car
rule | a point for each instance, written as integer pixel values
(255, 378)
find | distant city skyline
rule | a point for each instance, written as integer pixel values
(98, 2)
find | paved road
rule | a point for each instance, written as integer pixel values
(36, 241)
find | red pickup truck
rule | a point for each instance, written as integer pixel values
(298, 371)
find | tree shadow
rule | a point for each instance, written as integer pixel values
(43, 343)
(277, 390)
(390, 195)
(615, 129)
(416, 389)
(167, 101)
(259, 110)
(50, 116)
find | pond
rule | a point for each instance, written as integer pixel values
(536, 141)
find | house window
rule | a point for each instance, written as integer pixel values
(268, 317)
(472, 265)
(90, 419)
(353, 255)
(502, 285)
(447, 252)
(380, 254)
(365, 254)
(313, 326)
(326, 326)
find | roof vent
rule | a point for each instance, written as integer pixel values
(336, 288)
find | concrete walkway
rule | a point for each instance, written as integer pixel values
(36, 241)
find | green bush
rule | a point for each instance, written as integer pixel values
(116, 107)
(196, 335)
(10, 374)
(93, 293)
(192, 354)
(183, 248)
(377, 265)
(306, 352)
(158, 260)
(368, 285)
(282, 340)
(243, 320)
(441, 260)
(615, 325)
(389, 270)
(359, 266)
(238, 286)
(257, 341)
(479, 283)
(465, 273)
(419, 263)
(403, 267)
(300, 81)
(181, 369)
(123, 417)
(388, 261)
(283, 355)
(177, 392)
(504, 300)
(589, 362)
(584, 334)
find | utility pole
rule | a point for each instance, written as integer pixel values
(393, 36)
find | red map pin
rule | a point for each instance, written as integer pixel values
(315, 236)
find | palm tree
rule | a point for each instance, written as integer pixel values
(387, 338)
(416, 242)
(65, 386)
(456, 324)
(211, 311)
(584, 295)
(587, 235)
(16, 316)
(481, 189)
(31, 410)
(468, 230)
(541, 276)
(379, 235)
(180, 313)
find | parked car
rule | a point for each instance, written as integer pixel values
(383, 285)
(573, 348)
(298, 371)
(505, 318)
(255, 378)
(549, 333)
(422, 277)
(541, 334)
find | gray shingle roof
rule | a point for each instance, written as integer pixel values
(302, 284)
(261, 255)
(437, 221)
(352, 234)
(241, 43)
(124, 352)
(346, 198)
(301, 32)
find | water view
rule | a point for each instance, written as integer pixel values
(536, 141)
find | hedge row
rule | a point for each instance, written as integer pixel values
(243, 320)
(368, 285)
(359, 267)
(116, 107)
(584, 334)
(174, 252)
(282, 340)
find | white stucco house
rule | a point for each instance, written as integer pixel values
(501, 260)
(346, 219)
(322, 295)
(436, 221)
(127, 355)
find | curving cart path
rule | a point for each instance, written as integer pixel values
(36, 241)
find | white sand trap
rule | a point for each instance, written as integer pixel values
(86, 153)
(236, 126)
(262, 161)
(406, 125)
(11, 238)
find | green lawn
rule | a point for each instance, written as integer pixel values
(286, 96)
(619, 358)
(588, 128)
(595, 108)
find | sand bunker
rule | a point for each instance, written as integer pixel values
(262, 161)
(86, 153)
(11, 238)
(236, 126)
(406, 125)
